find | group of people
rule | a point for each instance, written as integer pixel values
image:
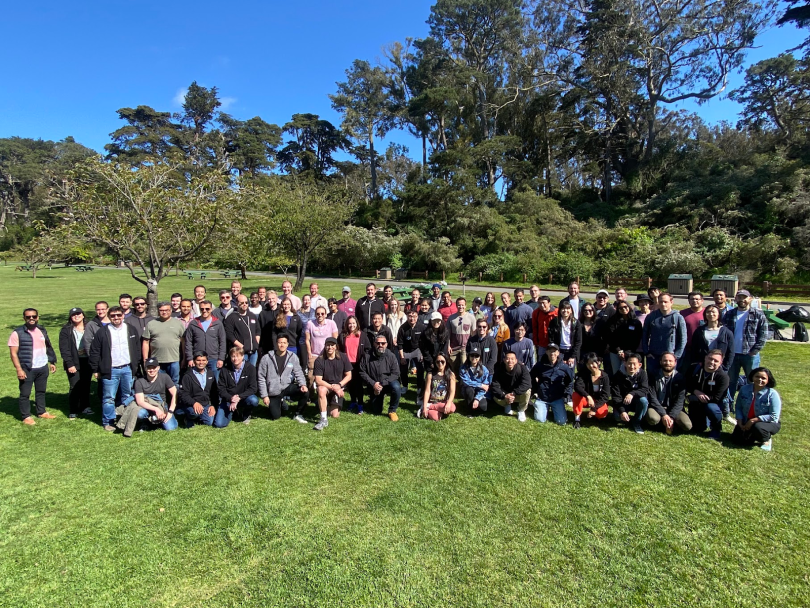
(650, 364)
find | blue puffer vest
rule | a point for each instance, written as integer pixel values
(26, 350)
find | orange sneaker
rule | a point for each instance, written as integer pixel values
(393, 416)
(29, 421)
(46, 415)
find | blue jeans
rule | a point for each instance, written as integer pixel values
(252, 358)
(557, 407)
(173, 369)
(212, 366)
(120, 383)
(638, 405)
(192, 416)
(703, 414)
(168, 425)
(224, 414)
(743, 363)
(375, 402)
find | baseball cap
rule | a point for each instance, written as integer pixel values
(552, 346)
(744, 292)
(439, 285)
(329, 340)
(151, 362)
(347, 288)
(475, 351)
(435, 315)
(477, 300)
(603, 291)
(75, 311)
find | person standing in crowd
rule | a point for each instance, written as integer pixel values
(552, 385)
(758, 409)
(368, 305)
(475, 380)
(413, 303)
(591, 389)
(287, 294)
(643, 304)
(706, 387)
(380, 371)
(34, 359)
(242, 330)
(565, 331)
(440, 390)
(500, 330)
(486, 345)
(76, 363)
(664, 332)
(199, 297)
(667, 398)
(226, 306)
(175, 304)
(506, 301)
(377, 328)
(573, 298)
(654, 293)
(255, 306)
(435, 296)
(521, 345)
(395, 318)
(534, 300)
(602, 307)
(150, 396)
(447, 308)
(630, 390)
(410, 357)
(693, 318)
(621, 296)
(488, 306)
(236, 291)
(316, 299)
(476, 309)
(460, 327)
(720, 300)
(713, 335)
(519, 312)
(139, 319)
(262, 293)
(288, 324)
(99, 321)
(749, 327)
(388, 295)
(186, 312)
(333, 373)
(315, 335)
(592, 341)
(280, 376)
(346, 304)
(206, 334)
(199, 395)
(354, 343)
(541, 318)
(267, 319)
(512, 386)
(161, 340)
(623, 334)
(237, 388)
(337, 316)
(125, 302)
(424, 314)
(114, 356)
(434, 340)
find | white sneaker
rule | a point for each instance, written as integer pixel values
(300, 418)
(507, 410)
(730, 419)
(521, 416)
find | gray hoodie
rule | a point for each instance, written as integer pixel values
(272, 381)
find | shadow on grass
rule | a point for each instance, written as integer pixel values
(54, 402)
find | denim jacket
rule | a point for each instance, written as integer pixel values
(476, 381)
(767, 407)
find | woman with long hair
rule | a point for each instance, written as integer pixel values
(758, 409)
(354, 343)
(288, 324)
(566, 332)
(591, 389)
(395, 318)
(591, 340)
(76, 363)
(712, 335)
(434, 340)
(623, 334)
(440, 389)
(488, 306)
(499, 330)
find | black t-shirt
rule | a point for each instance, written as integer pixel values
(160, 386)
(332, 370)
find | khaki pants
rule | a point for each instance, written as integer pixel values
(520, 403)
(457, 359)
(682, 420)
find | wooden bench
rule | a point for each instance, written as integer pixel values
(83, 268)
(230, 273)
(192, 275)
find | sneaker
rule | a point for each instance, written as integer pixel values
(300, 418)
(393, 416)
(419, 413)
(507, 410)
(109, 428)
(359, 408)
(637, 428)
(767, 446)
(321, 425)
(88, 411)
(730, 419)
(714, 435)
(521, 416)
(246, 420)
(668, 429)
(29, 421)
(46, 415)
(577, 424)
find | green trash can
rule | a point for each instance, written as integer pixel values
(679, 284)
(729, 283)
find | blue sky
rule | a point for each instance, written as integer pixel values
(69, 66)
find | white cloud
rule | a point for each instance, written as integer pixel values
(227, 102)
(180, 97)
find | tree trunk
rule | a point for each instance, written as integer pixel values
(300, 273)
(373, 161)
(33, 272)
(152, 297)
(243, 268)
(424, 155)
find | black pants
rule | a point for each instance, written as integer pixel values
(38, 380)
(79, 383)
(356, 384)
(292, 390)
(760, 432)
(468, 393)
(405, 369)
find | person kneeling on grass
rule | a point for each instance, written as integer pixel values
(237, 388)
(630, 391)
(280, 376)
(552, 384)
(758, 408)
(333, 373)
(591, 389)
(512, 386)
(380, 372)
(475, 380)
(150, 399)
(706, 388)
(667, 397)
(198, 392)
(440, 389)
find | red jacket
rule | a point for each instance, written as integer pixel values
(446, 311)
(540, 321)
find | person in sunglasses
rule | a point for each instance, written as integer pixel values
(206, 334)
(34, 359)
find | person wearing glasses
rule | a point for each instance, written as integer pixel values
(115, 355)
(379, 370)
(76, 364)
(206, 334)
(34, 359)
(242, 330)
(139, 317)
(485, 344)
(99, 321)
(500, 330)
(541, 318)
(316, 333)
(226, 306)
(440, 390)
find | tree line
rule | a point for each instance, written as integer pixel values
(550, 145)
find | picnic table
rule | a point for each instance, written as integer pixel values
(772, 318)
(230, 273)
(83, 268)
(23, 268)
(192, 274)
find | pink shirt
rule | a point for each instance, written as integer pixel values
(348, 305)
(318, 335)
(40, 358)
(693, 320)
(352, 345)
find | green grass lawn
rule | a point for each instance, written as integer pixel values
(484, 512)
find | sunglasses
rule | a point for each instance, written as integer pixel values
(116, 315)
(320, 314)
(382, 343)
(497, 316)
(35, 316)
(440, 362)
(139, 304)
(205, 309)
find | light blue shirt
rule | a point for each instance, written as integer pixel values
(205, 324)
(739, 332)
(200, 377)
